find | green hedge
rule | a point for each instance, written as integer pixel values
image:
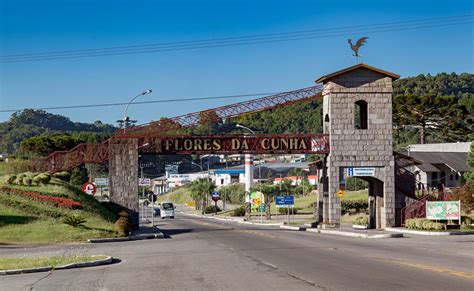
(284, 210)
(423, 224)
(211, 209)
(362, 220)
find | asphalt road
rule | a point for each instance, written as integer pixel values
(205, 254)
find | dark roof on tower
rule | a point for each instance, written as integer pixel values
(358, 66)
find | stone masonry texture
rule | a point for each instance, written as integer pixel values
(123, 175)
(351, 147)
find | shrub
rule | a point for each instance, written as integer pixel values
(212, 209)
(74, 220)
(239, 211)
(123, 226)
(27, 181)
(362, 220)
(466, 220)
(409, 223)
(19, 179)
(124, 213)
(42, 179)
(284, 210)
(354, 206)
(423, 224)
(10, 179)
(437, 226)
(419, 223)
(426, 224)
(65, 176)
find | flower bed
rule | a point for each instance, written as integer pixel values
(57, 201)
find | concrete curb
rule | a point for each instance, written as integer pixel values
(158, 234)
(214, 217)
(289, 227)
(239, 221)
(261, 224)
(94, 263)
(354, 234)
(435, 233)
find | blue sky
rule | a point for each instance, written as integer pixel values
(30, 26)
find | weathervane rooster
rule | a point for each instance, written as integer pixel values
(356, 47)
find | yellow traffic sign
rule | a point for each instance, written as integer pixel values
(340, 193)
(258, 201)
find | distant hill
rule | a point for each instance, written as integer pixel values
(30, 122)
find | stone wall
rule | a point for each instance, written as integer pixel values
(123, 175)
(351, 147)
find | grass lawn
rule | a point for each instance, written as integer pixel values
(25, 263)
(25, 220)
(178, 196)
(304, 203)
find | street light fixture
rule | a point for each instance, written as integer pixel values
(245, 127)
(126, 120)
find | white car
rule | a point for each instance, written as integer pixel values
(167, 210)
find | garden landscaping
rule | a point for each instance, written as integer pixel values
(50, 210)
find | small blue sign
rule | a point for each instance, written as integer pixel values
(284, 200)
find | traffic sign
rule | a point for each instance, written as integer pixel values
(258, 201)
(101, 181)
(261, 208)
(89, 188)
(144, 182)
(361, 172)
(340, 193)
(284, 200)
(216, 196)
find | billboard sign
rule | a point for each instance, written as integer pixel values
(443, 210)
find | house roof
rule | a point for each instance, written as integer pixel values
(324, 79)
(456, 161)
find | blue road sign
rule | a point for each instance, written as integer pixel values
(284, 200)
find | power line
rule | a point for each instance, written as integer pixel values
(143, 102)
(429, 20)
(237, 41)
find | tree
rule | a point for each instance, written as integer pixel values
(304, 188)
(200, 190)
(439, 116)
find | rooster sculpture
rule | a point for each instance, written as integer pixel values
(355, 47)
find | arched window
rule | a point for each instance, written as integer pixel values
(360, 115)
(326, 124)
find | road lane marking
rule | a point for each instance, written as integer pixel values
(257, 233)
(432, 268)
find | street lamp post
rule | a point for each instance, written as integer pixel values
(249, 166)
(126, 120)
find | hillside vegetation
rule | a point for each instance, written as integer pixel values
(35, 214)
(28, 123)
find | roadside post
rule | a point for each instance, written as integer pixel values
(101, 182)
(216, 196)
(285, 201)
(143, 182)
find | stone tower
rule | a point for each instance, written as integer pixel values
(357, 113)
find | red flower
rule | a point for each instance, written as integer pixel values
(57, 201)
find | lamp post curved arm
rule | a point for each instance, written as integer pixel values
(245, 127)
(131, 101)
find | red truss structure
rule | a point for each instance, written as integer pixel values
(98, 153)
(174, 125)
